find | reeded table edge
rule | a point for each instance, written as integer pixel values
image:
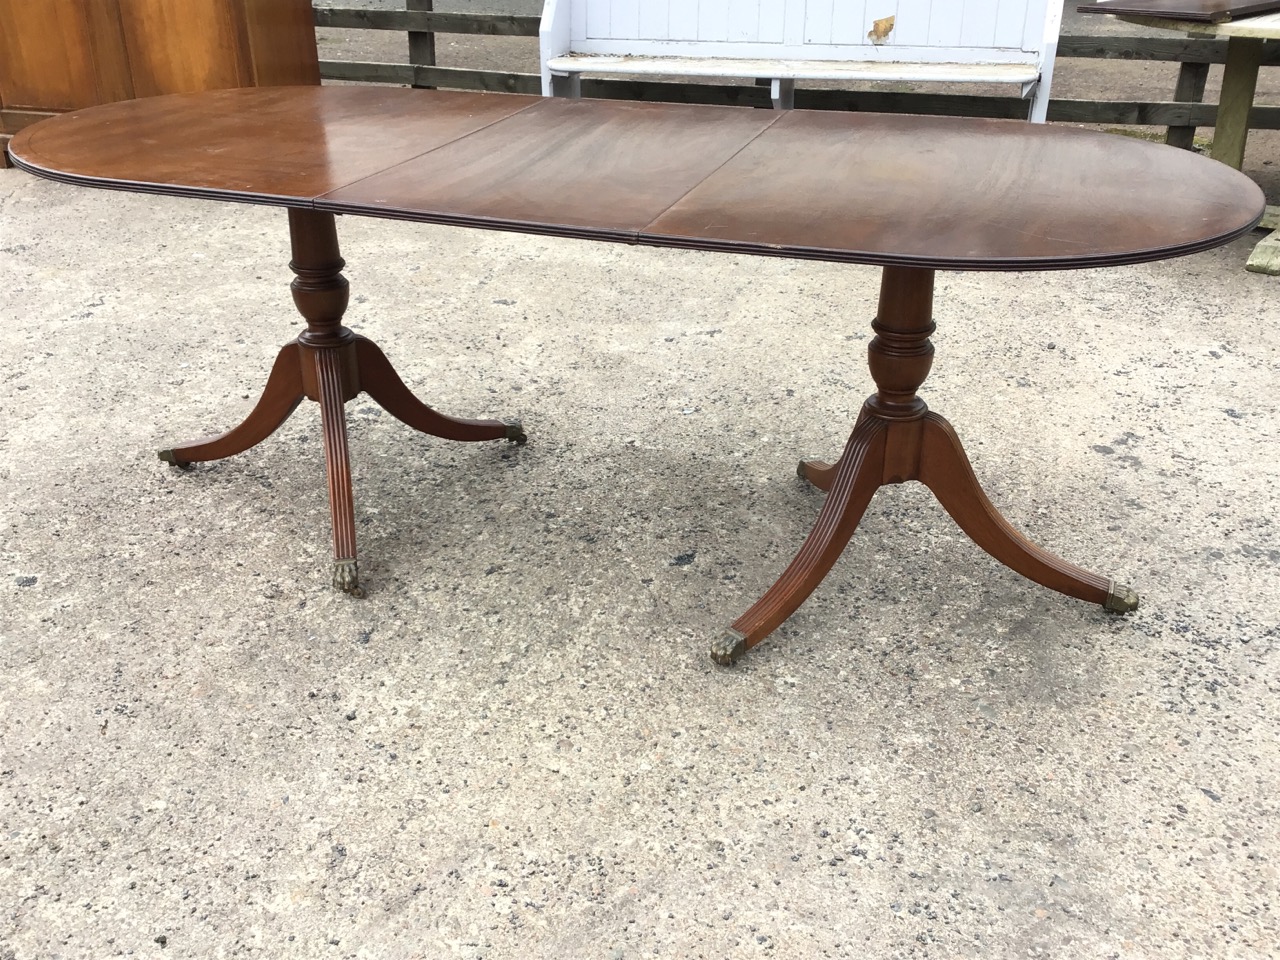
(640, 237)
(535, 227)
(675, 242)
(159, 189)
(1001, 265)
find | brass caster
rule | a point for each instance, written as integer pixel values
(804, 466)
(1120, 599)
(169, 457)
(347, 578)
(729, 647)
(515, 432)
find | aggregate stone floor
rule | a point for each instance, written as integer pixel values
(516, 746)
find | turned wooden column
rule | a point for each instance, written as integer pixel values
(900, 354)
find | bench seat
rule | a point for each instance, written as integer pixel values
(576, 63)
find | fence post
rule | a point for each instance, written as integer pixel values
(422, 46)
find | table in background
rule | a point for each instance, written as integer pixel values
(1247, 41)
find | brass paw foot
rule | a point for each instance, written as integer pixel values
(515, 432)
(728, 648)
(347, 578)
(817, 473)
(169, 457)
(1121, 599)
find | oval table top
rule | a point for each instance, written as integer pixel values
(935, 192)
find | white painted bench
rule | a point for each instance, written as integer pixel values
(925, 41)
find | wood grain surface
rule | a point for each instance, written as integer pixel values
(573, 166)
(283, 145)
(957, 193)
(935, 192)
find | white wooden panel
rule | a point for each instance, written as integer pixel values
(911, 26)
(979, 27)
(744, 20)
(624, 19)
(682, 19)
(846, 22)
(1011, 23)
(958, 25)
(1039, 20)
(946, 21)
(655, 18)
(577, 22)
(817, 21)
(773, 21)
(793, 25)
(713, 19)
(597, 18)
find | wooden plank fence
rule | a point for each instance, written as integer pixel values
(421, 23)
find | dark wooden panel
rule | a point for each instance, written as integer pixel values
(66, 54)
(482, 23)
(458, 78)
(1129, 112)
(282, 42)
(15, 120)
(359, 71)
(111, 67)
(45, 56)
(289, 144)
(566, 165)
(179, 48)
(1155, 114)
(959, 193)
(1163, 49)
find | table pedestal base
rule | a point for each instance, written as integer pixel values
(897, 439)
(331, 365)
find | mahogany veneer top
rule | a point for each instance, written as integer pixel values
(869, 188)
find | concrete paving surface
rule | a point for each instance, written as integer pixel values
(516, 745)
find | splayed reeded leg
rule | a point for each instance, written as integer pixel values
(330, 364)
(897, 439)
(856, 479)
(820, 473)
(279, 399)
(342, 510)
(380, 380)
(945, 469)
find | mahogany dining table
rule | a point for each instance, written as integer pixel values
(910, 194)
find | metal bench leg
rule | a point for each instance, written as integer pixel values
(568, 85)
(782, 93)
(1038, 93)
